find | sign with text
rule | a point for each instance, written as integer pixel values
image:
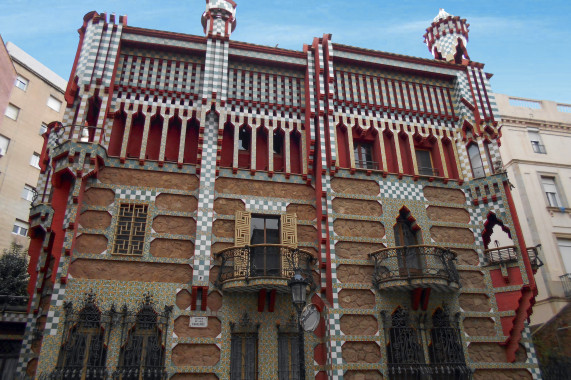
(199, 322)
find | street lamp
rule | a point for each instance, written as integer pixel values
(298, 286)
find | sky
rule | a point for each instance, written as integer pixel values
(525, 44)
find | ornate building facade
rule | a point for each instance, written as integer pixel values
(192, 177)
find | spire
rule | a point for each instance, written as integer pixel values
(447, 38)
(219, 19)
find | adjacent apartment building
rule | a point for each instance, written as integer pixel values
(536, 136)
(36, 99)
(200, 191)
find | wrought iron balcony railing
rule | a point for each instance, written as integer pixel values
(13, 303)
(501, 255)
(428, 171)
(430, 371)
(566, 282)
(415, 265)
(363, 164)
(533, 254)
(260, 264)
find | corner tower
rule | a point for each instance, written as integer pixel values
(447, 38)
(219, 19)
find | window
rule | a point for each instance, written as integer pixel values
(265, 229)
(244, 138)
(54, 104)
(536, 142)
(4, 143)
(22, 83)
(288, 353)
(363, 151)
(244, 350)
(12, 112)
(565, 251)
(28, 193)
(408, 254)
(131, 226)
(278, 142)
(20, 228)
(35, 160)
(9, 351)
(424, 162)
(43, 128)
(476, 161)
(550, 188)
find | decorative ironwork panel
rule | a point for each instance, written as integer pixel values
(242, 228)
(289, 230)
(130, 231)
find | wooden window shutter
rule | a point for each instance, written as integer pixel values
(242, 228)
(289, 229)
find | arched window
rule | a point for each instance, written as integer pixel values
(407, 238)
(295, 158)
(244, 144)
(93, 108)
(227, 152)
(343, 156)
(445, 348)
(390, 151)
(476, 161)
(83, 351)
(136, 135)
(117, 133)
(405, 354)
(244, 349)
(154, 139)
(262, 148)
(279, 150)
(191, 141)
(173, 139)
(498, 241)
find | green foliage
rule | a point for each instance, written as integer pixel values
(13, 271)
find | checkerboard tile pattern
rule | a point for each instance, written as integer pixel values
(264, 204)
(134, 194)
(401, 190)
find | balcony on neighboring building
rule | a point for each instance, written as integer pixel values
(566, 283)
(409, 267)
(269, 266)
(533, 254)
(501, 255)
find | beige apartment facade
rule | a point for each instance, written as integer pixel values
(36, 100)
(536, 152)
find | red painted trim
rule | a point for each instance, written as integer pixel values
(261, 300)
(272, 305)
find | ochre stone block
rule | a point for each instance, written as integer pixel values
(225, 206)
(195, 354)
(356, 251)
(359, 228)
(147, 178)
(452, 235)
(303, 212)
(355, 186)
(474, 302)
(363, 375)
(217, 247)
(306, 233)
(98, 197)
(176, 225)
(183, 330)
(361, 352)
(439, 194)
(130, 271)
(498, 374)
(183, 299)
(223, 228)
(356, 299)
(357, 207)
(466, 256)
(95, 219)
(472, 279)
(176, 202)
(31, 367)
(89, 243)
(448, 214)
(213, 275)
(177, 249)
(487, 352)
(194, 376)
(479, 326)
(264, 189)
(357, 274)
(357, 324)
(214, 301)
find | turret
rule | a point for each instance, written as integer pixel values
(219, 19)
(447, 38)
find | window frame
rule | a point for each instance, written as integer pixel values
(361, 149)
(43, 129)
(130, 221)
(433, 170)
(52, 100)
(12, 112)
(20, 79)
(28, 191)
(35, 160)
(19, 226)
(536, 141)
(476, 145)
(4, 145)
(558, 195)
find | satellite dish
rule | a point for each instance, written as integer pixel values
(309, 318)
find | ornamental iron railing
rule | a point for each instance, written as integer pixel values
(533, 254)
(264, 261)
(410, 336)
(428, 171)
(501, 254)
(13, 303)
(364, 164)
(566, 283)
(415, 262)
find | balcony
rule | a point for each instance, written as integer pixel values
(534, 260)
(368, 165)
(501, 255)
(268, 266)
(428, 171)
(409, 267)
(566, 283)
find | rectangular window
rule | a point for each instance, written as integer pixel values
(424, 162)
(4, 143)
(565, 251)
(244, 356)
(363, 151)
(131, 228)
(54, 104)
(43, 128)
(35, 160)
(12, 112)
(536, 142)
(22, 83)
(288, 356)
(20, 228)
(264, 230)
(28, 193)
(550, 189)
